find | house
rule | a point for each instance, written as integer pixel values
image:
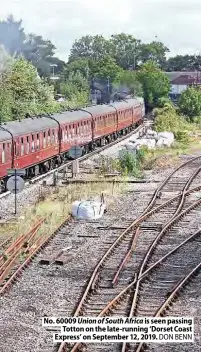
(180, 81)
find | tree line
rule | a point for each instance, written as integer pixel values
(122, 61)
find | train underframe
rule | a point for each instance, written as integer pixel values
(58, 160)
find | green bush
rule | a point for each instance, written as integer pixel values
(168, 119)
(190, 102)
(130, 163)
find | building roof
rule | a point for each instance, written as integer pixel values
(37, 124)
(175, 74)
(184, 80)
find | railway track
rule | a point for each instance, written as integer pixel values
(117, 274)
(102, 285)
(17, 251)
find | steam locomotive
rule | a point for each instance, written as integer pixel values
(39, 144)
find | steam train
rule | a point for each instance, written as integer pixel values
(39, 144)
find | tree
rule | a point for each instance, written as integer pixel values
(190, 102)
(6, 97)
(76, 89)
(125, 50)
(155, 51)
(107, 68)
(6, 60)
(40, 53)
(129, 83)
(128, 51)
(155, 83)
(34, 48)
(22, 92)
(183, 63)
(12, 35)
(77, 66)
(90, 47)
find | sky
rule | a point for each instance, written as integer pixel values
(177, 23)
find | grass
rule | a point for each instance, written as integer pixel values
(57, 206)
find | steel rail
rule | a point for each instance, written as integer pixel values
(145, 214)
(112, 304)
(127, 256)
(20, 240)
(116, 300)
(142, 273)
(15, 250)
(181, 203)
(173, 296)
(33, 250)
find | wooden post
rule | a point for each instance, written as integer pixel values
(75, 168)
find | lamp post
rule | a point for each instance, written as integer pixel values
(108, 84)
(53, 66)
(134, 57)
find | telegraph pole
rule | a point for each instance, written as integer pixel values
(108, 84)
(134, 57)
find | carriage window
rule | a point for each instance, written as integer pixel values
(27, 146)
(37, 142)
(48, 137)
(62, 134)
(22, 147)
(53, 137)
(69, 131)
(44, 140)
(56, 136)
(65, 135)
(32, 143)
(15, 148)
(3, 156)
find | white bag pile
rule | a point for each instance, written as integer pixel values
(165, 139)
(88, 209)
(152, 140)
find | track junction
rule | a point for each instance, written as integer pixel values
(145, 261)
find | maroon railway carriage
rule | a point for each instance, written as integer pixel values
(40, 143)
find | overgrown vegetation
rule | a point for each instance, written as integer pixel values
(155, 83)
(127, 164)
(23, 92)
(190, 103)
(57, 204)
(169, 119)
